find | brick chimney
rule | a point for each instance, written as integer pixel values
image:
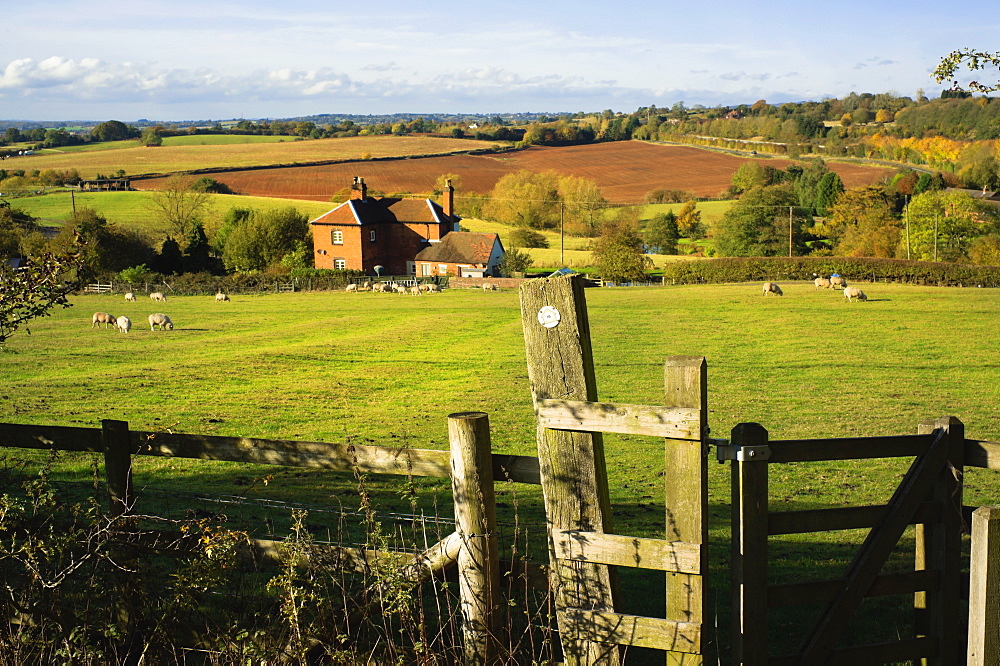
(448, 202)
(358, 189)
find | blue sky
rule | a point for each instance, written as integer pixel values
(184, 60)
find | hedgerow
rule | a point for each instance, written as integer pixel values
(752, 269)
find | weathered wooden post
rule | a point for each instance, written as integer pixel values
(117, 466)
(475, 518)
(686, 493)
(573, 470)
(939, 547)
(749, 560)
(984, 589)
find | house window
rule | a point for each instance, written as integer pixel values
(425, 269)
(337, 237)
(372, 235)
(442, 269)
(340, 264)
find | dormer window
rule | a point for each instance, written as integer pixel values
(337, 237)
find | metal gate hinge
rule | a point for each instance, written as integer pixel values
(729, 451)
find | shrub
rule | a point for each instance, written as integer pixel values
(525, 237)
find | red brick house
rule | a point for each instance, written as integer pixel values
(365, 232)
(461, 254)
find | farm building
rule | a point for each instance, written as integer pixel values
(365, 232)
(462, 254)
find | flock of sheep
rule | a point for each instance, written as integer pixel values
(124, 324)
(393, 287)
(832, 282)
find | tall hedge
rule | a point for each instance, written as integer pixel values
(753, 269)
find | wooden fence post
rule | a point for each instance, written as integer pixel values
(475, 517)
(749, 559)
(117, 466)
(686, 494)
(939, 547)
(572, 465)
(984, 590)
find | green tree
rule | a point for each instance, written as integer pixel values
(515, 261)
(525, 237)
(753, 174)
(264, 238)
(581, 202)
(113, 130)
(689, 221)
(830, 187)
(178, 205)
(197, 251)
(757, 224)
(862, 224)
(151, 137)
(104, 247)
(618, 253)
(525, 199)
(662, 233)
(943, 224)
(169, 260)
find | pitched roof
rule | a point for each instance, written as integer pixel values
(461, 247)
(383, 210)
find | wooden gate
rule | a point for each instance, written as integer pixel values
(575, 485)
(929, 496)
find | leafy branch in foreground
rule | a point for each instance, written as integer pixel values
(30, 291)
(974, 60)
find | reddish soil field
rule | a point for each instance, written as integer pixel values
(625, 171)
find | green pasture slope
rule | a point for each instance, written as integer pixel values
(388, 369)
(135, 210)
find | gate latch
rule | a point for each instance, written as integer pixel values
(726, 451)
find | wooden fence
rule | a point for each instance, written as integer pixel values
(929, 496)
(470, 464)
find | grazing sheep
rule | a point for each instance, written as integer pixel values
(400, 289)
(123, 324)
(161, 320)
(103, 318)
(822, 283)
(381, 287)
(416, 290)
(772, 288)
(221, 297)
(351, 287)
(489, 286)
(130, 297)
(431, 288)
(855, 293)
(837, 282)
(158, 296)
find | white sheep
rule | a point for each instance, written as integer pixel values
(158, 296)
(430, 288)
(400, 289)
(103, 318)
(381, 287)
(489, 286)
(855, 293)
(416, 290)
(822, 283)
(837, 282)
(161, 320)
(123, 324)
(130, 297)
(219, 297)
(772, 288)
(351, 287)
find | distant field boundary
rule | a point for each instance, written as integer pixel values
(350, 160)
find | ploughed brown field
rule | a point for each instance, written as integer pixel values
(624, 170)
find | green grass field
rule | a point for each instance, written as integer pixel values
(387, 369)
(383, 368)
(135, 210)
